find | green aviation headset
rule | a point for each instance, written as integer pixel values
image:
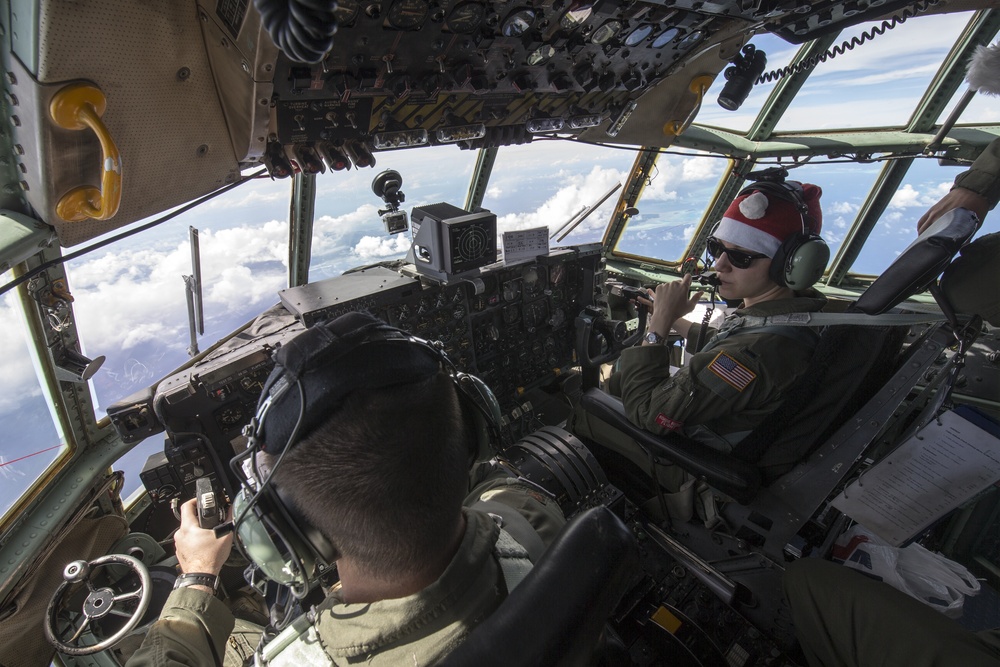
(802, 257)
(313, 374)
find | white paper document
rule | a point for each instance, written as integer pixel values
(948, 462)
(525, 244)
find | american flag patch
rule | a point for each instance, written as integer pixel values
(731, 371)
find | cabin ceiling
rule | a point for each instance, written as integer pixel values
(197, 91)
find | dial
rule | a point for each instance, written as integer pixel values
(407, 14)
(465, 17)
(577, 14)
(230, 416)
(639, 34)
(346, 12)
(534, 280)
(540, 55)
(518, 23)
(511, 290)
(254, 382)
(691, 40)
(606, 32)
(665, 37)
(557, 275)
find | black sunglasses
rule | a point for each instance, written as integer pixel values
(741, 259)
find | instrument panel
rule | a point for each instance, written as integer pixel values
(513, 326)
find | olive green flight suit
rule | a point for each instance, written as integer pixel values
(717, 397)
(844, 619)
(983, 177)
(194, 627)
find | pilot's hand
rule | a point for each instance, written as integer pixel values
(957, 198)
(198, 549)
(673, 301)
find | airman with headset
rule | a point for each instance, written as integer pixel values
(768, 253)
(359, 458)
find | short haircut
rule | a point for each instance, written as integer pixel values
(385, 475)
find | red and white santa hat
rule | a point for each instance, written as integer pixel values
(762, 221)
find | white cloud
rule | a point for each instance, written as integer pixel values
(375, 247)
(843, 208)
(581, 190)
(494, 192)
(18, 370)
(701, 168)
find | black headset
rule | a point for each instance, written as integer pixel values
(312, 376)
(802, 257)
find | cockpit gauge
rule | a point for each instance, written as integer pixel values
(665, 38)
(534, 280)
(540, 55)
(254, 382)
(511, 314)
(606, 32)
(465, 17)
(518, 23)
(511, 290)
(557, 275)
(346, 12)
(407, 14)
(230, 417)
(690, 40)
(637, 35)
(575, 15)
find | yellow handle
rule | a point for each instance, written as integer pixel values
(699, 86)
(80, 106)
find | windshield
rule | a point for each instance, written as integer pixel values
(31, 442)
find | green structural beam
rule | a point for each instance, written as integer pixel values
(300, 228)
(480, 178)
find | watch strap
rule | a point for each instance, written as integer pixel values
(654, 338)
(197, 579)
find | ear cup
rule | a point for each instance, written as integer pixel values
(259, 541)
(482, 407)
(800, 261)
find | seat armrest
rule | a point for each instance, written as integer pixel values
(737, 479)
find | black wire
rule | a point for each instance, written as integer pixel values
(108, 241)
(302, 29)
(841, 49)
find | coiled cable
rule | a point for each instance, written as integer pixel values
(858, 40)
(302, 29)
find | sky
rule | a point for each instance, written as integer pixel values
(130, 302)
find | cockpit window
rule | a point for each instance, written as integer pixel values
(348, 230)
(671, 206)
(547, 183)
(879, 83)
(31, 442)
(779, 53)
(924, 184)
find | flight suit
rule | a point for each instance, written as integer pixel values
(983, 177)
(194, 626)
(718, 397)
(844, 619)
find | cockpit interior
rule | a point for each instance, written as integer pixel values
(188, 185)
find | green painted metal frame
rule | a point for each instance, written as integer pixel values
(480, 178)
(300, 228)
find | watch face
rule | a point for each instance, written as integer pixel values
(654, 338)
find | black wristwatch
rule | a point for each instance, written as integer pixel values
(654, 338)
(197, 579)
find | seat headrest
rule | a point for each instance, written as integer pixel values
(969, 283)
(920, 263)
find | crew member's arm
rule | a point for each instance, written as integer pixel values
(194, 625)
(977, 189)
(672, 301)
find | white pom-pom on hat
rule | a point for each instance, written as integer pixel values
(754, 207)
